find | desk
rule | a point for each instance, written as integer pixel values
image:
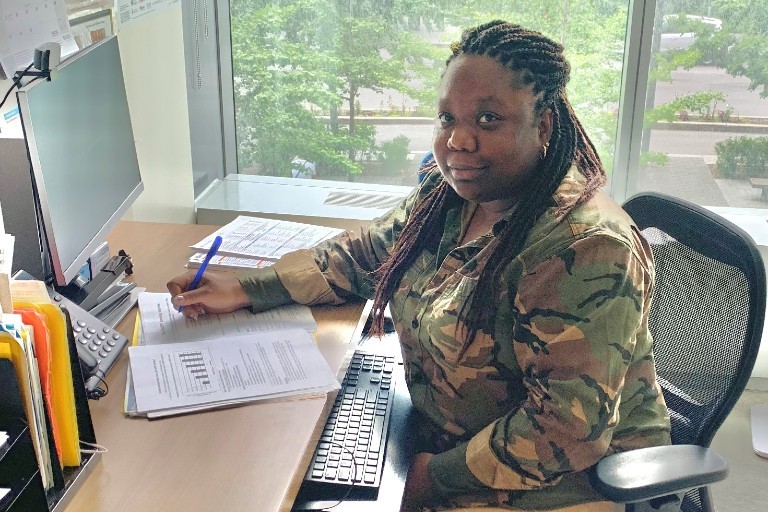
(249, 458)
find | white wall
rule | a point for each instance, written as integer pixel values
(152, 52)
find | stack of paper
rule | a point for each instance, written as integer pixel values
(252, 242)
(179, 365)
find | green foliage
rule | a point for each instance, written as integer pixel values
(741, 47)
(648, 158)
(294, 61)
(394, 155)
(698, 106)
(742, 157)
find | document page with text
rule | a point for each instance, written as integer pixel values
(161, 323)
(257, 366)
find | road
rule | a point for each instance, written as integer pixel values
(709, 78)
(699, 78)
(663, 141)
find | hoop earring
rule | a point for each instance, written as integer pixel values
(544, 147)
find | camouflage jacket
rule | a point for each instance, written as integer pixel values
(566, 377)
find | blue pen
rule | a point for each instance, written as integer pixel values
(199, 276)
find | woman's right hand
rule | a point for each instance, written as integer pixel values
(218, 292)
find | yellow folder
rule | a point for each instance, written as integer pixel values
(62, 384)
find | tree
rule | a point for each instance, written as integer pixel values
(741, 47)
(295, 61)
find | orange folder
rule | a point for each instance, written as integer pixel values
(42, 347)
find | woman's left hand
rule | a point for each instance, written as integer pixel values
(418, 484)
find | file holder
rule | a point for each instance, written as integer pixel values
(18, 465)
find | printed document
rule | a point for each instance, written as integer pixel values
(161, 323)
(269, 239)
(257, 366)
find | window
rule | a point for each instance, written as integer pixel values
(705, 135)
(349, 85)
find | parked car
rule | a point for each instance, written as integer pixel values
(679, 31)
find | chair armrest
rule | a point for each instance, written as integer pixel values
(647, 473)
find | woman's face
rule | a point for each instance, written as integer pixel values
(487, 138)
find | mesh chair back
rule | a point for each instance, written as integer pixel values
(706, 317)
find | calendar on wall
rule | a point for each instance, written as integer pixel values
(26, 24)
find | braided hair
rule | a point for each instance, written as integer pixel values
(539, 62)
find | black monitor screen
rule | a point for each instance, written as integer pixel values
(83, 154)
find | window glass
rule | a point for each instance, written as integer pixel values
(349, 86)
(705, 133)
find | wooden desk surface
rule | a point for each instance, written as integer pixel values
(249, 458)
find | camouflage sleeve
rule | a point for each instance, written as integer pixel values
(577, 316)
(264, 289)
(343, 266)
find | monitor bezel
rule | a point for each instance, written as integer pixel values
(63, 276)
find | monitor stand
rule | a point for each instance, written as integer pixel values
(106, 296)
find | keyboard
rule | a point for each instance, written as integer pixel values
(351, 448)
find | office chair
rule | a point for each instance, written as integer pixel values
(707, 320)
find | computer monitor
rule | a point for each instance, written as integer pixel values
(85, 172)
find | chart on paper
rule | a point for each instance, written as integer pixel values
(194, 369)
(254, 366)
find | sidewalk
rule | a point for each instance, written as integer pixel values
(690, 178)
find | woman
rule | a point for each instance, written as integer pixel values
(519, 291)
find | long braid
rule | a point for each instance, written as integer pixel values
(422, 231)
(537, 61)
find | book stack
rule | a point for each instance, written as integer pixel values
(253, 242)
(180, 365)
